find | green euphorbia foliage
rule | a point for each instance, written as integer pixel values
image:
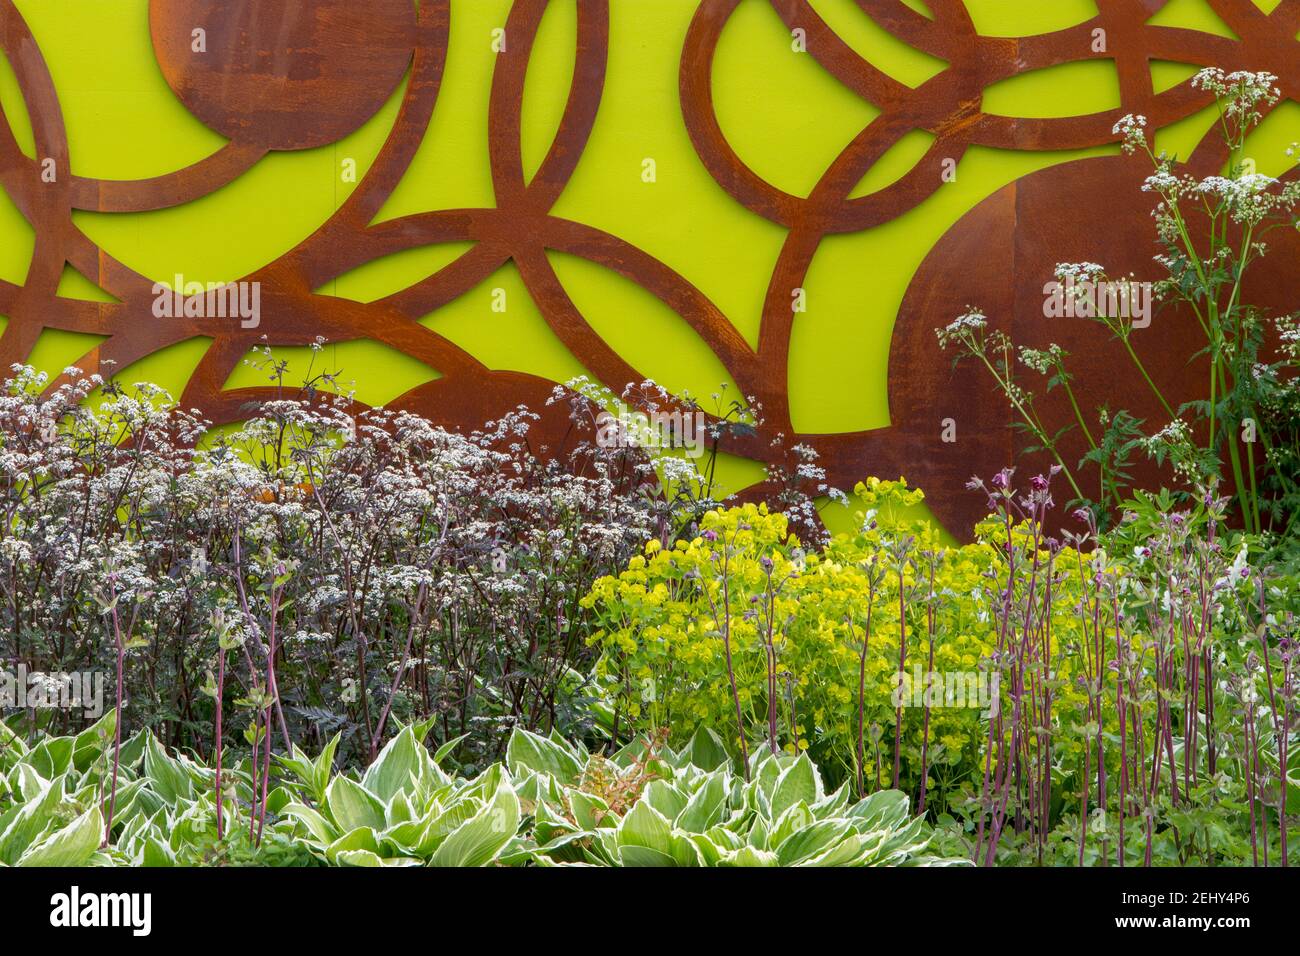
(795, 623)
(1071, 699)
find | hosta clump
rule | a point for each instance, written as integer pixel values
(550, 803)
(55, 795)
(54, 798)
(172, 820)
(691, 809)
(404, 811)
(49, 814)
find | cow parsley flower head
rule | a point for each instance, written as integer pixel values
(963, 328)
(1132, 128)
(1244, 91)
(1042, 360)
(1077, 272)
(1164, 182)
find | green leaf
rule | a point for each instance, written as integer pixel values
(95, 741)
(71, 846)
(765, 773)
(808, 842)
(30, 822)
(352, 806)
(705, 749)
(445, 822)
(565, 849)
(362, 839)
(26, 782)
(300, 765)
(399, 810)
(478, 840)
(277, 799)
(834, 804)
(324, 767)
(704, 808)
(665, 798)
(51, 757)
(548, 825)
(800, 782)
(396, 767)
(749, 856)
(441, 753)
(10, 742)
(724, 838)
(538, 788)
(645, 826)
(710, 853)
(589, 811)
(133, 748)
(633, 855)
(405, 836)
(528, 751)
(884, 809)
(847, 851)
(321, 830)
(790, 822)
(170, 779)
(685, 852)
(361, 858)
(898, 844)
(157, 853)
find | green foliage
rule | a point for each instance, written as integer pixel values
(669, 618)
(551, 803)
(642, 807)
(1145, 677)
(647, 807)
(54, 800)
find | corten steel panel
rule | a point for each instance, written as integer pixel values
(295, 74)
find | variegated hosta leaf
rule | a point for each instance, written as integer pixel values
(527, 751)
(73, 845)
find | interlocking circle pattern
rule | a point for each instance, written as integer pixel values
(300, 73)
